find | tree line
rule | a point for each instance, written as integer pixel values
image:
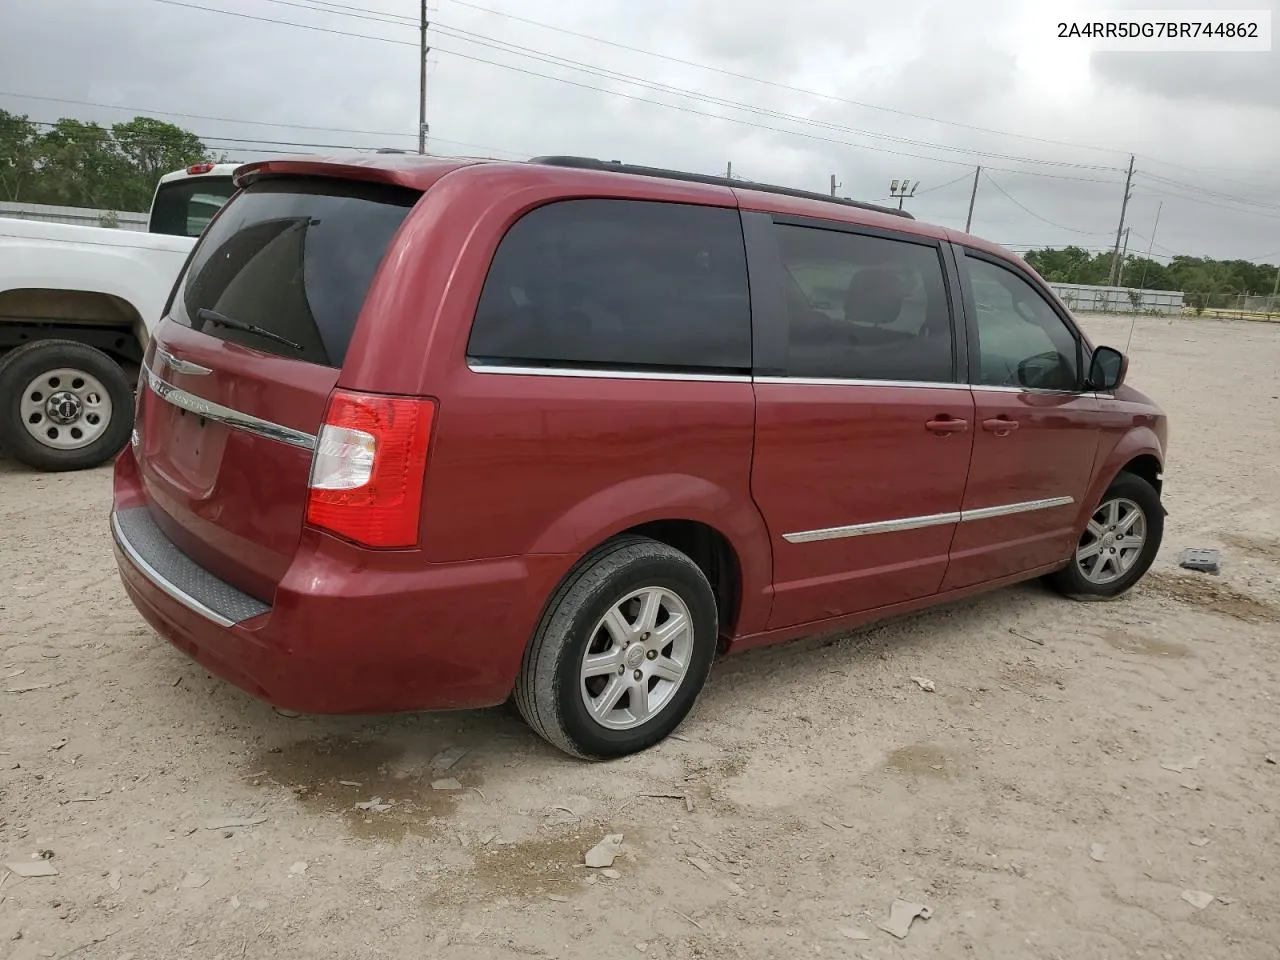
(1201, 275)
(78, 164)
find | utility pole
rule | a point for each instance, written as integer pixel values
(835, 186)
(968, 221)
(1124, 252)
(1124, 205)
(422, 83)
(728, 170)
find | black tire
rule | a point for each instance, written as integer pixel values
(549, 691)
(1072, 581)
(23, 365)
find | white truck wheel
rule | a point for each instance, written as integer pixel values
(63, 405)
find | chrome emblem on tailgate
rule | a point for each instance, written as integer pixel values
(180, 366)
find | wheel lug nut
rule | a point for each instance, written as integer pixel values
(621, 671)
(652, 654)
(644, 636)
(638, 675)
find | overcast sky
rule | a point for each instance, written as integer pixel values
(869, 91)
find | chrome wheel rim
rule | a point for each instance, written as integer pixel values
(1112, 542)
(637, 658)
(66, 408)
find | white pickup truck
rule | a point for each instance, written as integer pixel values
(76, 307)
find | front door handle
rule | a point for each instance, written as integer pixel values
(1000, 426)
(944, 425)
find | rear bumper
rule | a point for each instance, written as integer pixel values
(350, 631)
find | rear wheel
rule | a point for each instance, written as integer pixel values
(622, 651)
(63, 405)
(1119, 542)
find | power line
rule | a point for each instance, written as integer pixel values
(1167, 181)
(208, 140)
(257, 123)
(1026, 209)
(943, 186)
(617, 93)
(778, 85)
(1208, 203)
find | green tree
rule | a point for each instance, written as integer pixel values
(151, 148)
(19, 155)
(80, 166)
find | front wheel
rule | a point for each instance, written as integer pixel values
(622, 651)
(1119, 542)
(63, 405)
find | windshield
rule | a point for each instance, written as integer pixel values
(183, 208)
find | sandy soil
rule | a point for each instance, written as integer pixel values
(1077, 770)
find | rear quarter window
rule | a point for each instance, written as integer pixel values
(293, 261)
(618, 284)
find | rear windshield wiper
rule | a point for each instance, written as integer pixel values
(222, 320)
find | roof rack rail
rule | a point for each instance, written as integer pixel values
(617, 166)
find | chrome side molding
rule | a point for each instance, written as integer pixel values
(930, 520)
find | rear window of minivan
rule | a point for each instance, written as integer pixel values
(286, 266)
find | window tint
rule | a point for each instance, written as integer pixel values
(1022, 342)
(618, 283)
(183, 208)
(293, 258)
(865, 308)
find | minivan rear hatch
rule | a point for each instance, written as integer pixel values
(240, 372)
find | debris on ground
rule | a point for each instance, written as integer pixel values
(688, 800)
(27, 687)
(901, 914)
(1023, 636)
(448, 783)
(925, 684)
(32, 868)
(1201, 559)
(1183, 766)
(702, 865)
(113, 879)
(1271, 758)
(43, 855)
(194, 881)
(60, 744)
(232, 823)
(1097, 852)
(349, 783)
(853, 933)
(299, 868)
(605, 852)
(1199, 841)
(1197, 898)
(444, 761)
(374, 806)
(610, 874)
(558, 898)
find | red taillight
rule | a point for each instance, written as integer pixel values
(367, 473)
(197, 168)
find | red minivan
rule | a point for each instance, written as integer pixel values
(419, 434)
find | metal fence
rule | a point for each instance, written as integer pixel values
(81, 216)
(1090, 299)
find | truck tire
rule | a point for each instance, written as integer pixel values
(63, 406)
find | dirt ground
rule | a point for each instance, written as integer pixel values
(1080, 773)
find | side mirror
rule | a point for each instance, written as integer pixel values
(1107, 369)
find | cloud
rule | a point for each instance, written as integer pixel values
(981, 69)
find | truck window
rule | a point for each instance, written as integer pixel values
(182, 208)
